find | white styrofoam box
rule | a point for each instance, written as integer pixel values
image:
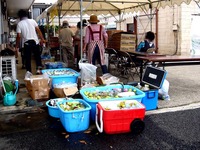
(8, 66)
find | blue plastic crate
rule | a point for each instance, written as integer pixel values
(76, 120)
(92, 102)
(45, 56)
(53, 110)
(150, 100)
(53, 65)
(60, 78)
(154, 77)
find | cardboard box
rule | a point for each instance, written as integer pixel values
(123, 41)
(107, 79)
(63, 92)
(59, 92)
(38, 87)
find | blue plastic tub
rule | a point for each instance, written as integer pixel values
(63, 75)
(150, 100)
(53, 65)
(92, 102)
(75, 120)
(53, 110)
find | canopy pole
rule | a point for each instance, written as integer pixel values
(150, 6)
(81, 29)
(81, 13)
(59, 7)
(120, 20)
(48, 39)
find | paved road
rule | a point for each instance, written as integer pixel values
(164, 131)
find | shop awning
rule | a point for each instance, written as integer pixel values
(13, 6)
(114, 7)
(105, 7)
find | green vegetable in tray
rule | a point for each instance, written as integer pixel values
(60, 72)
(124, 104)
(69, 106)
(106, 94)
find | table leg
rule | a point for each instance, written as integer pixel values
(141, 70)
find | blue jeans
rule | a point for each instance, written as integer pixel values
(96, 56)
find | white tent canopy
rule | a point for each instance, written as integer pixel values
(113, 7)
(47, 11)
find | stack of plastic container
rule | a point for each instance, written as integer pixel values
(63, 75)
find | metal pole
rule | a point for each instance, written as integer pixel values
(81, 11)
(48, 27)
(150, 6)
(59, 13)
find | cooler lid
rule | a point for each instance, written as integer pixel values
(154, 76)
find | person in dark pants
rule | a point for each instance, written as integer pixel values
(21, 50)
(31, 47)
(28, 29)
(77, 41)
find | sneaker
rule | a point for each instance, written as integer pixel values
(166, 97)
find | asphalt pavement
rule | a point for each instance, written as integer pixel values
(178, 130)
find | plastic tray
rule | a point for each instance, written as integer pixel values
(66, 78)
(76, 120)
(53, 110)
(53, 65)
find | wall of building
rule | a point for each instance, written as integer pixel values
(168, 23)
(4, 29)
(174, 28)
(185, 26)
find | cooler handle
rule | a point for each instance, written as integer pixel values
(151, 94)
(99, 127)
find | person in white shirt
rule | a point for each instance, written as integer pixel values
(28, 29)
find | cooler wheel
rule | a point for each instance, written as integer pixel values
(137, 126)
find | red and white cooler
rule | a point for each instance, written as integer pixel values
(113, 117)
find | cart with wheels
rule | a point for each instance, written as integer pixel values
(113, 117)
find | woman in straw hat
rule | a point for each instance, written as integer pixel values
(96, 40)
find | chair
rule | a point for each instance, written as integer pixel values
(113, 60)
(126, 65)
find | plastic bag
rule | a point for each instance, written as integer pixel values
(28, 75)
(31, 77)
(88, 72)
(164, 91)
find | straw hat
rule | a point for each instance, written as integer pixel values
(93, 19)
